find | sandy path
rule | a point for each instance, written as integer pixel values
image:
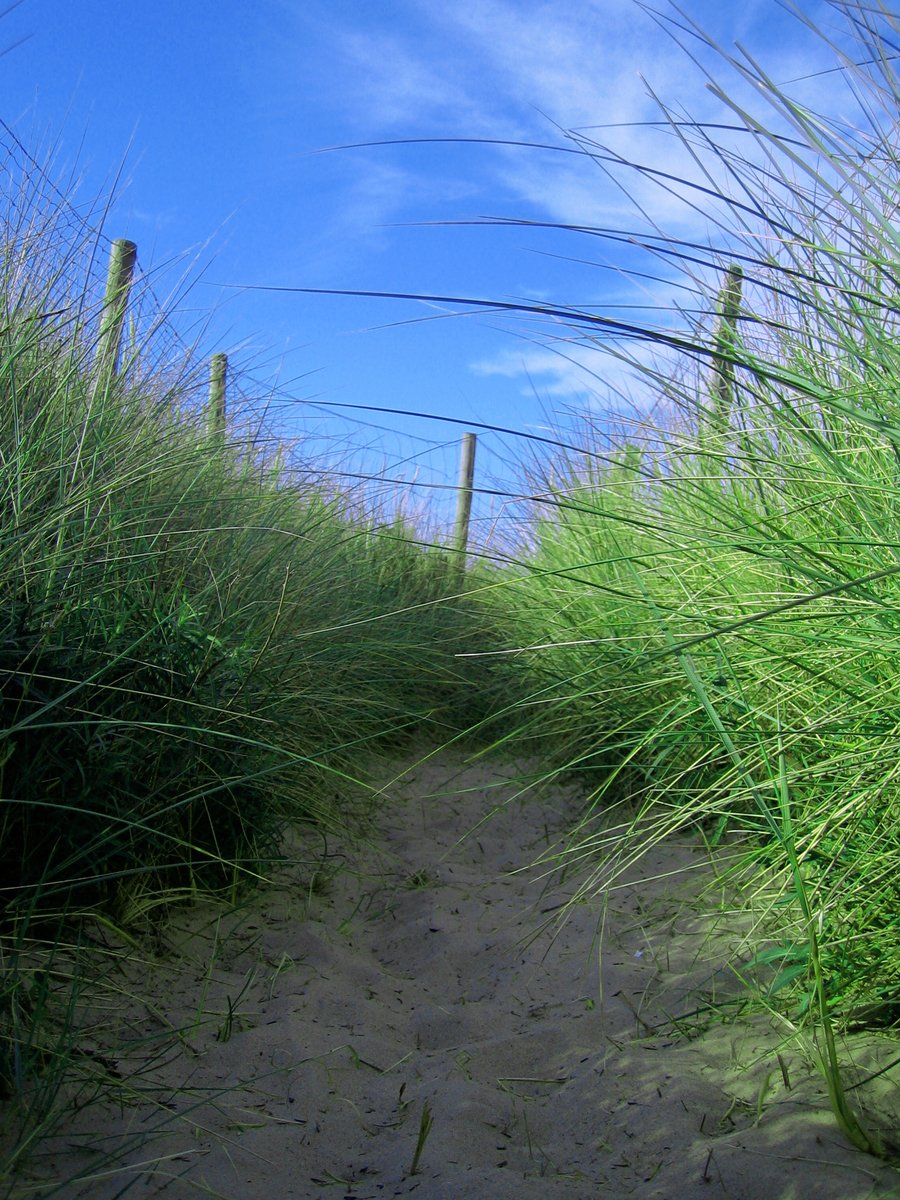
(405, 988)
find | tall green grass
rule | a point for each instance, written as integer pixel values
(196, 651)
(709, 617)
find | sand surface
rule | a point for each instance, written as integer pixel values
(401, 992)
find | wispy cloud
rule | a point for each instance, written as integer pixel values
(374, 197)
(597, 69)
(581, 375)
(544, 372)
(607, 371)
(400, 83)
(537, 71)
(532, 70)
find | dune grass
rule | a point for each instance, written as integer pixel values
(709, 617)
(196, 651)
(701, 623)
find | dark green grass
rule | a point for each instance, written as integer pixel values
(195, 654)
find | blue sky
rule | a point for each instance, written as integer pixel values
(212, 117)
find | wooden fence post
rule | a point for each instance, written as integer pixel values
(218, 372)
(464, 499)
(728, 305)
(122, 258)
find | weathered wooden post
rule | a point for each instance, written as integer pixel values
(122, 258)
(464, 500)
(728, 306)
(218, 372)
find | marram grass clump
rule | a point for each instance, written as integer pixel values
(195, 653)
(192, 651)
(709, 616)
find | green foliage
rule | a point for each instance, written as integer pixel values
(194, 653)
(189, 649)
(710, 614)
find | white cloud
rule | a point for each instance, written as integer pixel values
(606, 371)
(579, 374)
(530, 70)
(548, 373)
(396, 83)
(378, 192)
(549, 57)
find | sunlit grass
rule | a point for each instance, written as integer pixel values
(700, 621)
(710, 621)
(196, 652)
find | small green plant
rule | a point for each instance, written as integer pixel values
(418, 880)
(231, 1019)
(425, 1123)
